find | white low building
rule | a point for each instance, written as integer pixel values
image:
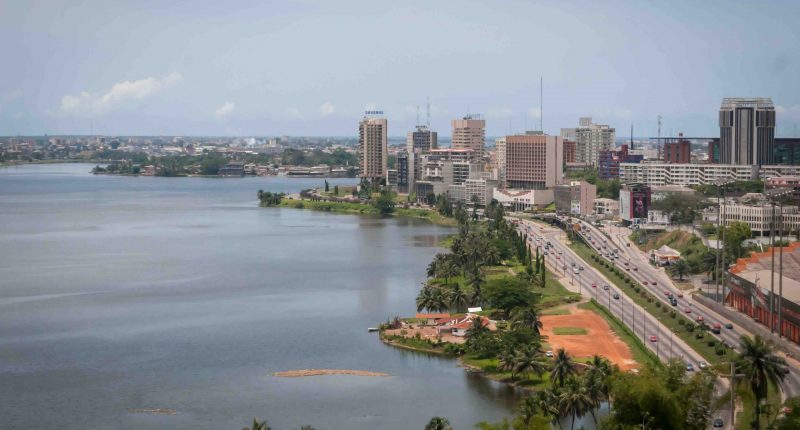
(523, 199)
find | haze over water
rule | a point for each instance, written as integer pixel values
(123, 293)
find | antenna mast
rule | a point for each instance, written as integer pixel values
(659, 136)
(541, 104)
(417, 124)
(631, 135)
(429, 113)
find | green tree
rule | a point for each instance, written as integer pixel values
(384, 203)
(336, 190)
(507, 294)
(327, 186)
(679, 269)
(258, 425)
(563, 368)
(574, 400)
(735, 235)
(438, 423)
(527, 317)
(457, 298)
(530, 360)
(760, 365)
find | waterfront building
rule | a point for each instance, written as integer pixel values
(469, 132)
(533, 161)
(747, 131)
(233, 168)
(403, 171)
(575, 198)
(372, 145)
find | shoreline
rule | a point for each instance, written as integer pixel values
(364, 209)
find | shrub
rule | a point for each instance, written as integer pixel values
(681, 321)
(699, 335)
(712, 343)
(658, 304)
(403, 332)
(673, 314)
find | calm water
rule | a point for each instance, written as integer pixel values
(122, 293)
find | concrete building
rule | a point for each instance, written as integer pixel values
(661, 191)
(372, 146)
(608, 161)
(684, 174)
(482, 188)
(469, 133)
(421, 140)
(570, 151)
(607, 208)
(590, 139)
(677, 151)
(757, 217)
(747, 131)
(576, 198)
(533, 161)
(634, 203)
(520, 200)
(403, 166)
(500, 158)
(749, 290)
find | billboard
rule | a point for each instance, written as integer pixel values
(634, 202)
(639, 204)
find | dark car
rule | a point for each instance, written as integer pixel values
(729, 326)
(615, 296)
(718, 423)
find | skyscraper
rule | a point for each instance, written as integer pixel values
(469, 133)
(590, 139)
(747, 131)
(532, 161)
(421, 140)
(372, 142)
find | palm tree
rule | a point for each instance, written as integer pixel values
(476, 298)
(439, 302)
(528, 408)
(258, 425)
(574, 400)
(476, 329)
(563, 368)
(457, 298)
(438, 423)
(492, 255)
(709, 263)
(679, 269)
(760, 365)
(507, 361)
(447, 268)
(530, 360)
(527, 318)
(432, 268)
(547, 402)
(424, 298)
(598, 373)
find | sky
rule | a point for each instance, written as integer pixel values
(311, 68)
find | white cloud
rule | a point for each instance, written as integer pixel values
(121, 92)
(327, 108)
(225, 110)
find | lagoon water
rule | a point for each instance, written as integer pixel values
(120, 294)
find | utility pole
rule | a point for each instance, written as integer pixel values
(772, 270)
(724, 266)
(780, 274)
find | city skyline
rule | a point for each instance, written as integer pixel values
(214, 69)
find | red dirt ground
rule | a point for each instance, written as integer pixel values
(598, 340)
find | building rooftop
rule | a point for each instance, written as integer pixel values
(756, 269)
(733, 102)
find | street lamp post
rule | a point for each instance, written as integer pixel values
(779, 193)
(772, 270)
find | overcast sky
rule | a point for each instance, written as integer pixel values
(312, 67)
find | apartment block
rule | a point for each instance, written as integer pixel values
(372, 146)
(533, 161)
(469, 132)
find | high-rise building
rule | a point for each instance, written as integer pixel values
(372, 145)
(403, 171)
(421, 140)
(576, 198)
(747, 131)
(590, 139)
(677, 151)
(570, 151)
(608, 161)
(500, 158)
(469, 133)
(533, 161)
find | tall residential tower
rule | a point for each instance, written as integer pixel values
(372, 143)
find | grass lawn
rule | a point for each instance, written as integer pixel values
(489, 365)
(569, 331)
(641, 354)
(367, 209)
(661, 312)
(558, 310)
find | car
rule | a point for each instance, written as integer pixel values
(653, 338)
(573, 264)
(729, 326)
(605, 287)
(716, 328)
(699, 318)
(680, 295)
(670, 296)
(718, 423)
(635, 269)
(628, 244)
(688, 310)
(594, 285)
(580, 268)
(545, 253)
(673, 302)
(628, 269)
(615, 296)
(689, 367)
(785, 370)
(549, 354)
(558, 257)
(625, 263)
(577, 272)
(654, 283)
(702, 365)
(644, 282)
(564, 267)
